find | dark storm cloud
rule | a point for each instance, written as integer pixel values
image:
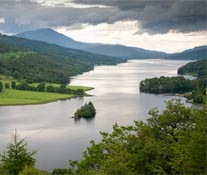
(160, 16)
(26, 15)
(154, 16)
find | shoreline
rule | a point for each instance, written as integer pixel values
(39, 103)
(32, 97)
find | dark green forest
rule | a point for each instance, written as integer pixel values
(170, 84)
(197, 68)
(196, 88)
(38, 61)
(166, 85)
(170, 142)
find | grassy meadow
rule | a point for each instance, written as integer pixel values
(22, 97)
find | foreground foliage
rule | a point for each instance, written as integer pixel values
(16, 156)
(30, 170)
(171, 142)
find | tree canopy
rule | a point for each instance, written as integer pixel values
(170, 142)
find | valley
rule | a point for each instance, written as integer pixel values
(116, 87)
(107, 87)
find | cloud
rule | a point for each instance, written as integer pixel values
(28, 15)
(159, 16)
(110, 33)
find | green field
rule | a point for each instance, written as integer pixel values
(19, 97)
(7, 79)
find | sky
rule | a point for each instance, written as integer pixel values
(162, 25)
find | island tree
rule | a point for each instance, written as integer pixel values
(86, 111)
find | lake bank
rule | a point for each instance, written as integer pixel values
(12, 97)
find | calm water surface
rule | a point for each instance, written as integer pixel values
(117, 99)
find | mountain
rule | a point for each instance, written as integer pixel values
(126, 52)
(197, 53)
(50, 36)
(121, 51)
(41, 61)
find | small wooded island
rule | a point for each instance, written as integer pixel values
(86, 111)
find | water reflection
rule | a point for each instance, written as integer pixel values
(49, 128)
(84, 120)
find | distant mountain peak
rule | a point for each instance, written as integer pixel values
(46, 30)
(47, 35)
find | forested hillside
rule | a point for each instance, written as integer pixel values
(198, 68)
(39, 61)
(36, 67)
(196, 53)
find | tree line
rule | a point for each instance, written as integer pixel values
(41, 87)
(176, 85)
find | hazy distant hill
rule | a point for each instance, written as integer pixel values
(51, 36)
(125, 51)
(40, 61)
(196, 53)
